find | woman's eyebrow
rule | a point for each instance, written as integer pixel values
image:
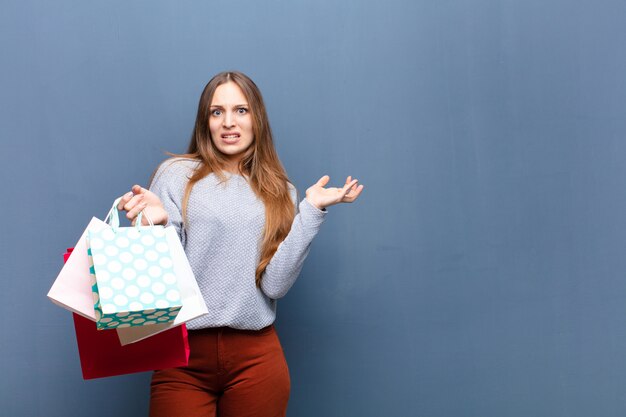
(234, 105)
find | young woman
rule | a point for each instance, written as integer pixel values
(246, 237)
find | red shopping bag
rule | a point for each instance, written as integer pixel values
(102, 355)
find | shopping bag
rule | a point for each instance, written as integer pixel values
(71, 289)
(101, 354)
(132, 272)
(191, 297)
(193, 302)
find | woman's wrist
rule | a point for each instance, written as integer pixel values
(315, 205)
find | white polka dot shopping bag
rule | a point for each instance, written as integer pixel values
(133, 277)
(72, 288)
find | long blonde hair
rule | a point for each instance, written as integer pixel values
(260, 164)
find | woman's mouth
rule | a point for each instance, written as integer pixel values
(230, 137)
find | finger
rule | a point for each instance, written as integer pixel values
(354, 195)
(132, 213)
(348, 179)
(353, 185)
(346, 188)
(124, 200)
(138, 189)
(351, 192)
(323, 181)
(137, 199)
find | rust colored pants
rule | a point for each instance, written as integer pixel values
(231, 373)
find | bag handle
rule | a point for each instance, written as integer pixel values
(113, 217)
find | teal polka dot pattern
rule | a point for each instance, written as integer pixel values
(132, 277)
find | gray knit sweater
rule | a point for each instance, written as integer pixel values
(222, 240)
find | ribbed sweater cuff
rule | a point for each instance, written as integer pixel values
(311, 215)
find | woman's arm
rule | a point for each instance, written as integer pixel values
(286, 264)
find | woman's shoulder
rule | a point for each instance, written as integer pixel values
(178, 168)
(293, 192)
(178, 164)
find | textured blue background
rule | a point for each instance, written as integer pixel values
(480, 274)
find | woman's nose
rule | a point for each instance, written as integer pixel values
(229, 120)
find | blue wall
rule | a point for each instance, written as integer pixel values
(480, 274)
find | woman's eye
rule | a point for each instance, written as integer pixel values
(216, 112)
(242, 110)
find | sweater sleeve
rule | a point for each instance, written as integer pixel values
(168, 184)
(286, 264)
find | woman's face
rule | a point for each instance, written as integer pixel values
(230, 122)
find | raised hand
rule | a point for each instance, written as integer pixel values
(322, 197)
(141, 199)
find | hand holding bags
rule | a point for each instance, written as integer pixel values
(135, 284)
(101, 353)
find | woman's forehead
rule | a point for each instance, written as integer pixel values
(228, 94)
